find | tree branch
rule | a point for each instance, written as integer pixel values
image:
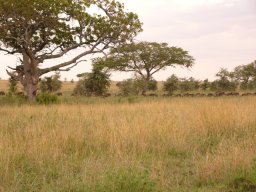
(69, 68)
(50, 56)
(8, 52)
(156, 70)
(74, 60)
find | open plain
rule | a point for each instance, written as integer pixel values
(129, 144)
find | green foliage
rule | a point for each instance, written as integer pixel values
(174, 83)
(205, 84)
(45, 21)
(95, 83)
(251, 84)
(171, 84)
(188, 84)
(128, 87)
(152, 85)
(79, 88)
(140, 86)
(13, 86)
(51, 84)
(136, 86)
(223, 85)
(179, 155)
(246, 76)
(146, 58)
(40, 30)
(125, 180)
(13, 100)
(46, 98)
(225, 81)
(242, 185)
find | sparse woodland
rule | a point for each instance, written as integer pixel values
(136, 135)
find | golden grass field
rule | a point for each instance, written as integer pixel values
(131, 144)
(161, 144)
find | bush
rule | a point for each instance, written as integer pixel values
(95, 83)
(125, 87)
(51, 84)
(136, 86)
(205, 84)
(152, 85)
(46, 98)
(189, 84)
(80, 88)
(13, 86)
(223, 85)
(129, 87)
(171, 84)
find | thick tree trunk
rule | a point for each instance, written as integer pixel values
(31, 89)
(31, 77)
(145, 88)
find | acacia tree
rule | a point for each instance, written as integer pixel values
(146, 58)
(246, 75)
(40, 30)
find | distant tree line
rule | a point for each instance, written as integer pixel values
(97, 83)
(241, 78)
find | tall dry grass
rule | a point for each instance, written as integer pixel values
(181, 144)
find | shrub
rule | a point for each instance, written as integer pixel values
(51, 84)
(13, 86)
(171, 84)
(223, 85)
(128, 87)
(95, 83)
(46, 98)
(205, 84)
(152, 85)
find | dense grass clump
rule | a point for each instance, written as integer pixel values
(47, 98)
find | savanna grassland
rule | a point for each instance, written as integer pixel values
(130, 145)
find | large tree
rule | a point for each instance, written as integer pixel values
(146, 58)
(40, 30)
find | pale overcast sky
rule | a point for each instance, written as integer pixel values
(217, 33)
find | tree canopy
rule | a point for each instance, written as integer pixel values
(40, 30)
(246, 75)
(146, 58)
